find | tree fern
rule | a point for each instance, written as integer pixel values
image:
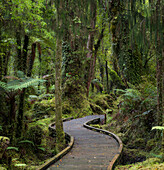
(19, 84)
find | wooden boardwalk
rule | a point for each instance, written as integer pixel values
(91, 151)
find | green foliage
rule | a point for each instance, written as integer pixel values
(158, 127)
(129, 100)
(19, 83)
(35, 134)
(20, 165)
(41, 148)
(115, 79)
(26, 141)
(13, 148)
(142, 99)
(151, 164)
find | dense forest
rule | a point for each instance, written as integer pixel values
(63, 58)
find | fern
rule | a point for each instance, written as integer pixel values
(20, 165)
(131, 93)
(41, 148)
(19, 84)
(3, 86)
(12, 148)
(27, 141)
(158, 127)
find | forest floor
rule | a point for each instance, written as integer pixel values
(141, 149)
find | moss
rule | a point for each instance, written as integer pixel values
(66, 108)
(97, 109)
(96, 126)
(4, 142)
(103, 100)
(43, 108)
(138, 143)
(132, 156)
(86, 109)
(75, 100)
(151, 164)
(151, 144)
(35, 134)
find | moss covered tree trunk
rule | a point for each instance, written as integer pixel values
(1, 63)
(60, 141)
(163, 99)
(60, 136)
(20, 115)
(162, 76)
(160, 58)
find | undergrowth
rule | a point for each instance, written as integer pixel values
(133, 118)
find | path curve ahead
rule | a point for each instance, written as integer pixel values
(91, 151)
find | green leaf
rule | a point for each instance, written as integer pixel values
(157, 156)
(12, 148)
(158, 127)
(20, 165)
(27, 141)
(41, 148)
(20, 74)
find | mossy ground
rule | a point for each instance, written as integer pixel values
(149, 164)
(31, 154)
(139, 143)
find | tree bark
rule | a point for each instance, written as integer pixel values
(159, 75)
(163, 82)
(5, 62)
(19, 52)
(90, 47)
(25, 50)
(107, 78)
(31, 61)
(60, 140)
(1, 61)
(60, 135)
(23, 67)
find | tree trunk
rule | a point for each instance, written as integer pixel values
(23, 67)
(31, 60)
(25, 50)
(12, 116)
(163, 96)
(1, 66)
(1, 61)
(107, 78)
(93, 60)
(159, 75)
(5, 62)
(90, 47)
(19, 43)
(163, 82)
(60, 140)
(60, 136)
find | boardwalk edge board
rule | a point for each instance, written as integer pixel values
(54, 159)
(118, 155)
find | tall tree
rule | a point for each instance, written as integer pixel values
(60, 136)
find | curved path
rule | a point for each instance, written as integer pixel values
(91, 151)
